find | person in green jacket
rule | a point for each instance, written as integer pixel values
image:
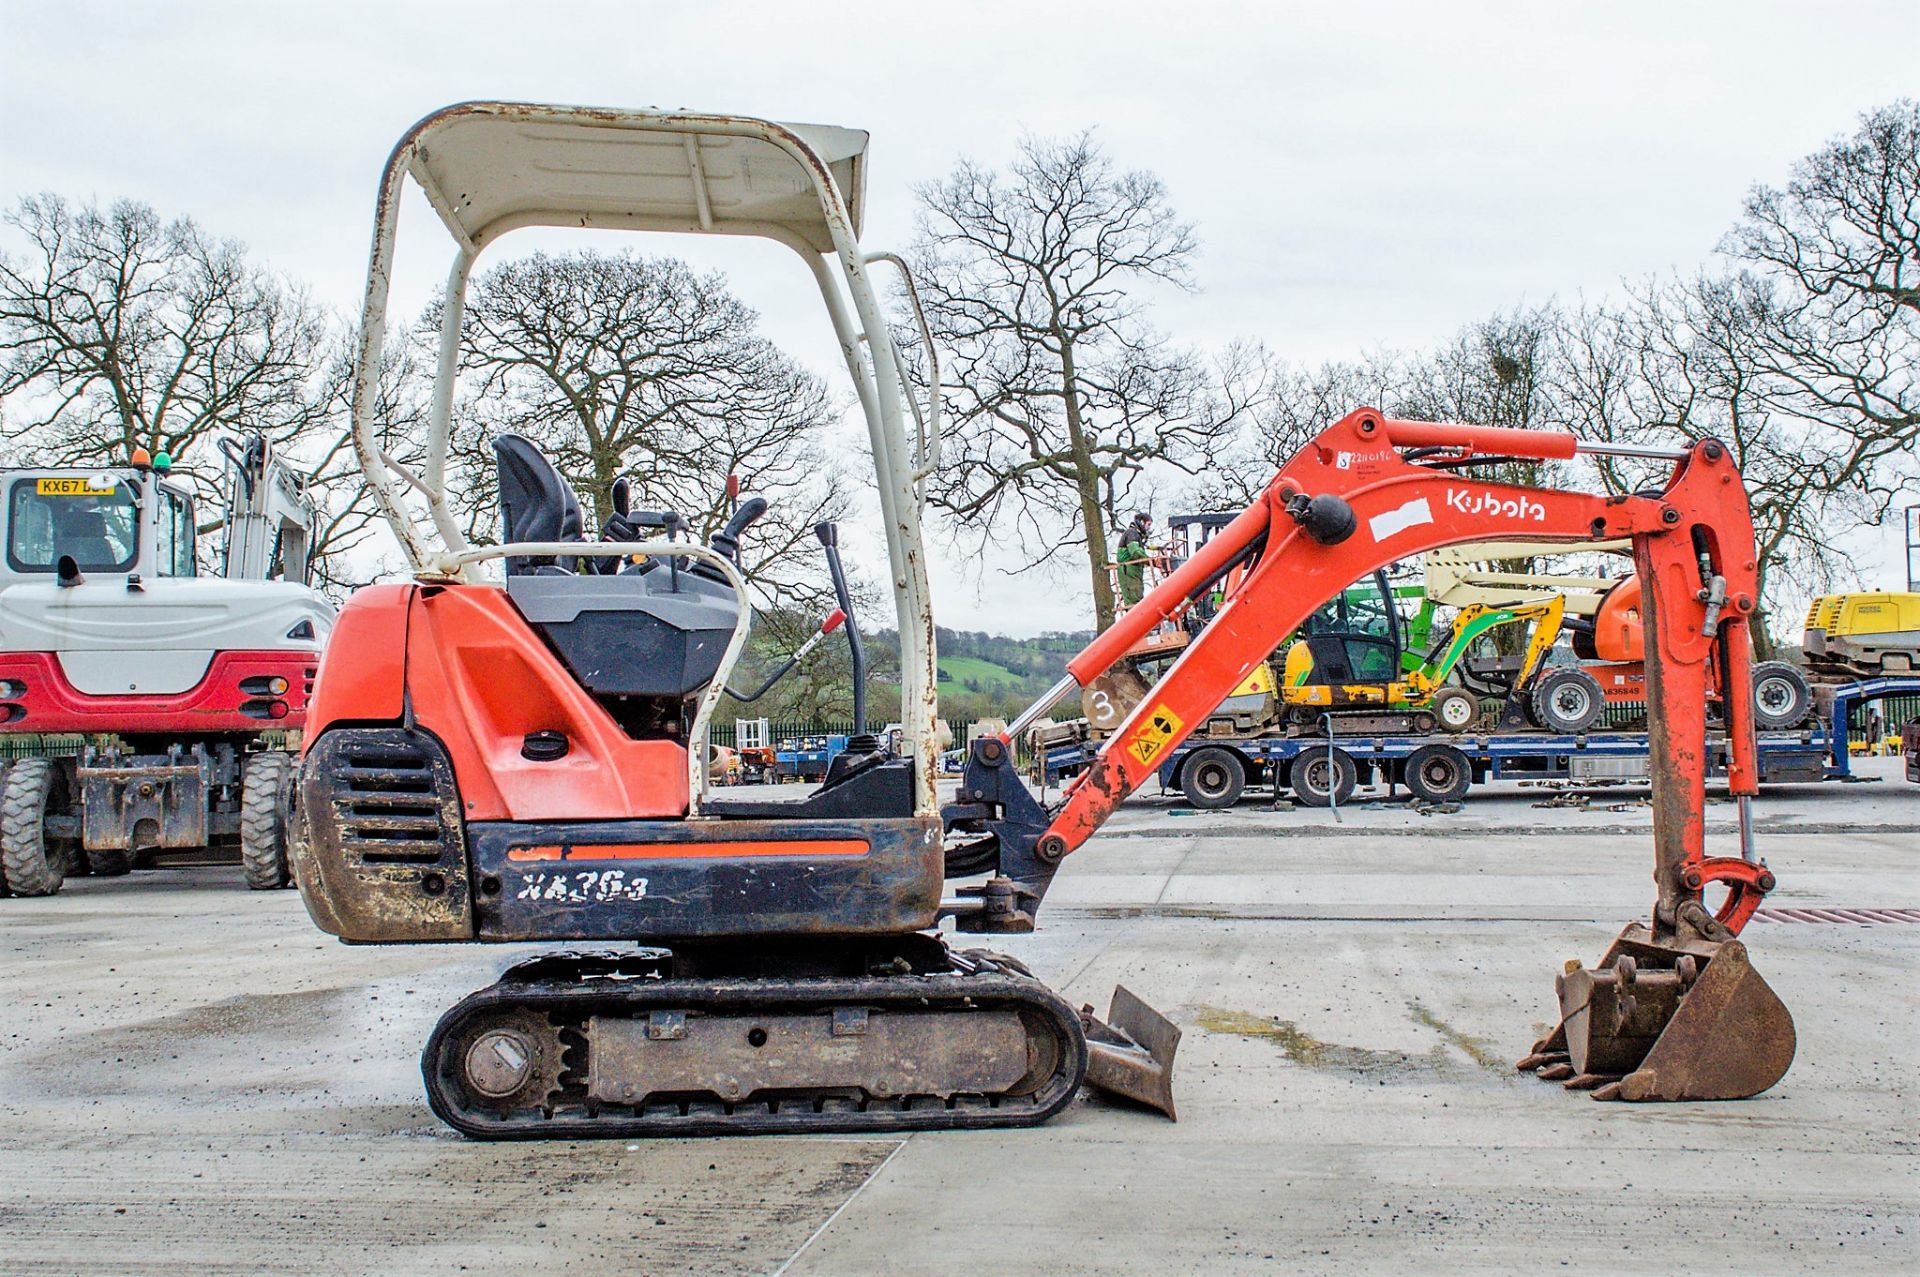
(1132, 558)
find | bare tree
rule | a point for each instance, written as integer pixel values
(1840, 243)
(1688, 359)
(347, 549)
(619, 365)
(1297, 402)
(119, 330)
(1061, 398)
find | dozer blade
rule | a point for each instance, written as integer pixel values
(1131, 1052)
(1692, 1021)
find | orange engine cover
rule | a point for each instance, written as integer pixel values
(480, 679)
(1619, 631)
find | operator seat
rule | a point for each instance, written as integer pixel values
(536, 504)
(83, 534)
(1330, 663)
(659, 634)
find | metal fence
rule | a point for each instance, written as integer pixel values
(1895, 713)
(34, 745)
(779, 731)
(65, 744)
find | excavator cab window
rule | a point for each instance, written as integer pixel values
(1355, 637)
(52, 516)
(175, 542)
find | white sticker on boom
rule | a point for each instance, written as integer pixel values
(1411, 515)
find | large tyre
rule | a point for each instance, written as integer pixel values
(1322, 777)
(266, 791)
(1781, 696)
(1456, 708)
(34, 865)
(1212, 777)
(1438, 774)
(1566, 700)
(5, 763)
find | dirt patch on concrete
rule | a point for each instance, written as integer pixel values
(1310, 1052)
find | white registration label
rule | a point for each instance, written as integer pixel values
(581, 886)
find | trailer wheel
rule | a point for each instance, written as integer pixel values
(1456, 708)
(1323, 777)
(1437, 774)
(1567, 700)
(1781, 697)
(1212, 777)
(34, 865)
(264, 793)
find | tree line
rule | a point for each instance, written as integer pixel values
(1796, 342)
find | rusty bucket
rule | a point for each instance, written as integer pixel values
(1130, 1053)
(1684, 1020)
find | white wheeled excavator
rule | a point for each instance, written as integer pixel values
(146, 710)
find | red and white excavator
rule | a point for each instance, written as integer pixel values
(149, 703)
(522, 758)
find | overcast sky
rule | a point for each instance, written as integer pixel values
(1362, 175)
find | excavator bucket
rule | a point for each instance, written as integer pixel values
(1691, 1020)
(1130, 1053)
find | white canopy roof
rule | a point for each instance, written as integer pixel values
(490, 167)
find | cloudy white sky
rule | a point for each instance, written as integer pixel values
(1362, 175)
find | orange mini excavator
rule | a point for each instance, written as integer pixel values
(522, 759)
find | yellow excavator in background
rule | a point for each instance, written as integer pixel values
(1852, 636)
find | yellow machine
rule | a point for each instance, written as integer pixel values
(1862, 635)
(1350, 667)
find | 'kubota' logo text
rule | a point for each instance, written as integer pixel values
(1499, 507)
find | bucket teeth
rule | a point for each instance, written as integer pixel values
(1588, 1081)
(1682, 1020)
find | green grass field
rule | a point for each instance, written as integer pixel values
(959, 669)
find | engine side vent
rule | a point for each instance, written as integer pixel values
(385, 833)
(387, 805)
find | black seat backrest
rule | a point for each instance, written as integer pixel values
(1329, 659)
(536, 502)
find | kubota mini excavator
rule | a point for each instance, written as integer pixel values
(522, 761)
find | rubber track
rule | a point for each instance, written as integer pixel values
(263, 840)
(573, 1001)
(23, 846)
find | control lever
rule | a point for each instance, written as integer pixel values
(727, 540)
(829, 534)
(671, 521)
(833, 622)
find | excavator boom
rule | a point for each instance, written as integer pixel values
(1370, 490)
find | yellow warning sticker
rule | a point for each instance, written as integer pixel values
(1154, 734)
(70, 488)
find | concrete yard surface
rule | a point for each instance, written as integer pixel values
(194, 1080)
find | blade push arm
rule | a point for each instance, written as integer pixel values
(1349, 503)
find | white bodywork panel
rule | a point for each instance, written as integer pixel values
(160, 639)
